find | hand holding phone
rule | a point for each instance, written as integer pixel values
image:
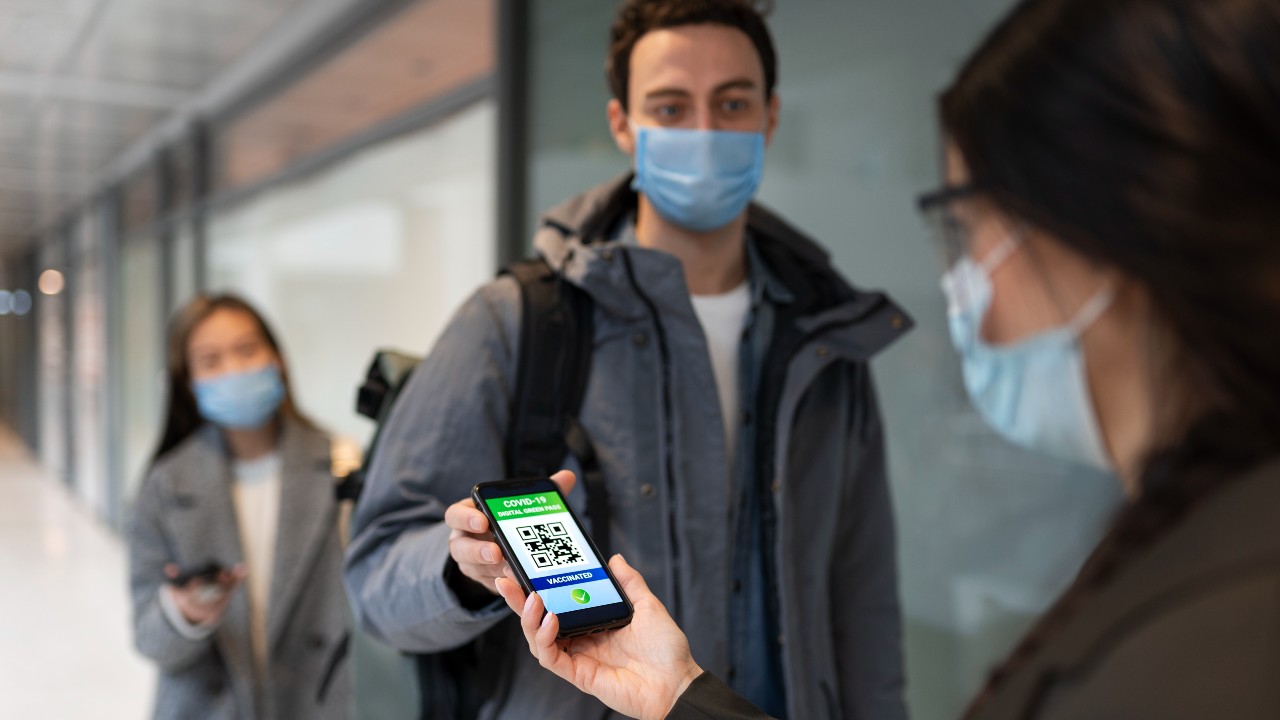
(550, 553)
(201, 593)
(639, 670)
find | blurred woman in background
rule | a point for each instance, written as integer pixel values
(1111, 223)
(235, 558)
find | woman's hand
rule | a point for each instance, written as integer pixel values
(201, 602)
(639, 670)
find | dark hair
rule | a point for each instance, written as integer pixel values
(635, 18)
(182, 416)
(1145, 136)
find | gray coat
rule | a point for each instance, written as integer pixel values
(835, 537)
(1187, 629)
(184, 514)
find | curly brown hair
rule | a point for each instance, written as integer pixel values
(635, 18)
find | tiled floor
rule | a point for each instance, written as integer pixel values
(65, 640)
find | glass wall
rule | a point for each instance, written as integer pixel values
(53, 366)
(18, 322)
(89, 415)
(988, 534)
(374, 253)
(185, 283)
(139, 344)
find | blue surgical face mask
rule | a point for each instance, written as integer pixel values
(242, 400)
(1033, 392)
(698, 179)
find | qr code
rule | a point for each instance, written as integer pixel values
(549, 545)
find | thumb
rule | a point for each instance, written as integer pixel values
(632, 581)
(566, 480)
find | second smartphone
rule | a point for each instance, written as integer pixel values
(550, 553)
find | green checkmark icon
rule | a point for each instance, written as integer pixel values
(580, 596)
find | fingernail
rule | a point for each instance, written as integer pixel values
(487, 554)
(546, 619)
(528, 602)
(476, 524)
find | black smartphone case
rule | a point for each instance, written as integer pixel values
(525, 584)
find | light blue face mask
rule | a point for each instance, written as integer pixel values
(698, 179)
(243, 400)
(1033, 392)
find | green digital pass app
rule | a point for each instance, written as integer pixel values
(553, 552)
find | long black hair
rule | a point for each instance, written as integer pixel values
(1145, 136)
(182, 416)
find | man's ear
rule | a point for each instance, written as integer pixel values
(775, 106)
(619, 128)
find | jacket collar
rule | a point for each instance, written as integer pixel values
(308, 517)
(205, 517)
(763, 282)
(579, 240)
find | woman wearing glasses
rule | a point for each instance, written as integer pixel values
(1111, 221)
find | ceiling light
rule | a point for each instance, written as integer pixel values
(51, 282)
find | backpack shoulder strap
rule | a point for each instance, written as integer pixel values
(551, 380)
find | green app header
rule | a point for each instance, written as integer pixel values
(518, 506)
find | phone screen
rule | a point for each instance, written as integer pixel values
(555, 556)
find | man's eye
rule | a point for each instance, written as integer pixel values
(667, 111)
(735, 105)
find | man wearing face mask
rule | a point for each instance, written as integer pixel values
(730, 405)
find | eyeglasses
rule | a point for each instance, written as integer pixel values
(950, 234)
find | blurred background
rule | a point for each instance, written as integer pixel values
(355, 168)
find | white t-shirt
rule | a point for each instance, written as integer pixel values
(723, 318)
(255, 492)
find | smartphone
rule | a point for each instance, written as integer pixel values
(550, 553)
(207, 572)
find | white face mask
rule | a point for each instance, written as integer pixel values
(1033, 392)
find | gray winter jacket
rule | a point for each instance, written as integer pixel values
(184, 514)
(649, 404)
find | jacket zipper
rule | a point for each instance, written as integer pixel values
(668, 433)
(774, 506)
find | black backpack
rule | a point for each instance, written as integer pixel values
(553, 367)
